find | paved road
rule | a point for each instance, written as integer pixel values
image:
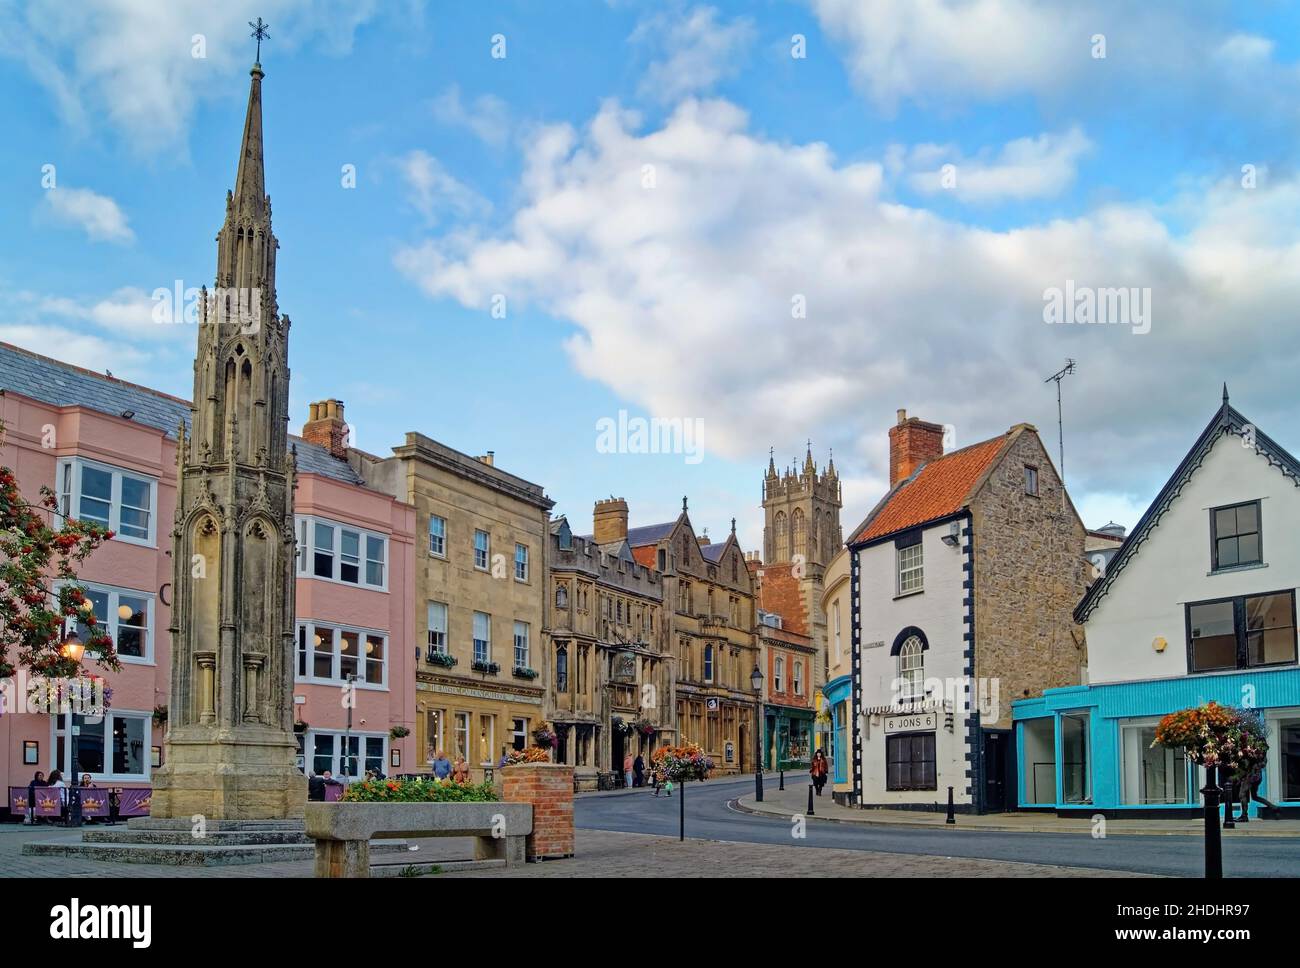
(710, 815)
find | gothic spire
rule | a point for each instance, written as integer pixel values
(250, 182)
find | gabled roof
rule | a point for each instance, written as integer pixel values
(712, 552)
(1227, 420)
(937, 490)
(63, 385)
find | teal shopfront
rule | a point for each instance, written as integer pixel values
(838, 693)
(788, 736)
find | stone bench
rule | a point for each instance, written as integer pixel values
(343, 831)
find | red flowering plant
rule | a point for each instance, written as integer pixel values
(680, 763)
(39, 591)
(531, 754)
(1213, 735)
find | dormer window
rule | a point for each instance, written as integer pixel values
(1235, 536)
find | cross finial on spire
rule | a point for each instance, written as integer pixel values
(261, 32)
(733, 527)
(683, 504)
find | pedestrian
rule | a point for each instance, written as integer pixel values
(316, 787)
(460, 772)
(56, 780)
(638, 771)
(441, 766)
(114, 805)
(819, 771)
(627, 769)
(87, 782)
(37, 781)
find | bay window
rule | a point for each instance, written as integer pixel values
(119, 500)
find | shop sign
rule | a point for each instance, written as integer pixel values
(911, 722)
(625, 666)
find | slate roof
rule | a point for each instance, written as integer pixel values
(64, 385)
(938, 489)
(1227, 420)
(712, 552)
(650, 533)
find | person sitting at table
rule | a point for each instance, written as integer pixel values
(460, 773)
(37, 781)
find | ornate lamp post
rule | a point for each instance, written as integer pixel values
(756, 683)
(74, 650)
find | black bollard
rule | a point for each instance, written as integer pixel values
(811, 810)
(681, 807)
(758, 786)
(782, 786)
(1213, 845)
(1228, 804)
(952, 815)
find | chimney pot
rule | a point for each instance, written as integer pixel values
(912, 443)
(327, 429)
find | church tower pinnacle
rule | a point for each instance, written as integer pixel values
(230, 746)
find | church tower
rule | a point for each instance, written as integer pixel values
(801, 534)
(231, 751)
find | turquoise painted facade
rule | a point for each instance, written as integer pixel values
(838, 693)
(1106, 774)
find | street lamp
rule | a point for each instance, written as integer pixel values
(74, 649)
(756, 683)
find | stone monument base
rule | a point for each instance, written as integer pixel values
(242, 774)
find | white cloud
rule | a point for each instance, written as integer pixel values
(954, 52)
(487, 117)
(681, 295)
(131, 61)
(82, 349)
(695, 50)
(1038, 167)
(432, 191)
(99, 216)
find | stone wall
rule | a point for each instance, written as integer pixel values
(549, 788)
(1030, 572)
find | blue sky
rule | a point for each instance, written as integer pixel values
(651, 187)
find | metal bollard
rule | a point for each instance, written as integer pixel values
(811, 811)
(952, 814)
(1213, 845)
(782, 786)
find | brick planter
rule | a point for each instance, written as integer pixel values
(549, 788)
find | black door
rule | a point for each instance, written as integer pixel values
(997, 771)
(616, 753)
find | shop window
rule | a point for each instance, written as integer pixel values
(1038, 760)
(1076, 778)
(1289, 733)
(910, 762)
(1153, 774)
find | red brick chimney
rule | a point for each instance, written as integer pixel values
(327, 428)
(912, 442)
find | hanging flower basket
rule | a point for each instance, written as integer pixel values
(399, 732)
(681, 763)
(544, 737)
(645, 727)
(1217, 736)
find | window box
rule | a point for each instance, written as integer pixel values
(440, 659)
(491, 668)
(521, 673)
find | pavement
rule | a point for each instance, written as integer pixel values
(793, 801)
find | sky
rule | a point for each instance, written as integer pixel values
(502, 224)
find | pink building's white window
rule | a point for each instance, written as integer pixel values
(330, 653)
(111, 747)
(124, 502)
(338, 552)
(128, 617)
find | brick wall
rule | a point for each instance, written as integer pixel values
(327, 428)
(912, 442)
(549, 788)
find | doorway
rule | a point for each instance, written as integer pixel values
(999, 755)
(616, 752)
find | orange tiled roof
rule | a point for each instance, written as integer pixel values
(645, 555)
(939, 489)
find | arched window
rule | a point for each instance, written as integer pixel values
(798, 678)
(813, 534)
(778, 672)
(798, 533)
(911, 669)
(561, 597)
(562, 669)
(781, 541)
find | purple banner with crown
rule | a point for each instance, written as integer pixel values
(94, 801)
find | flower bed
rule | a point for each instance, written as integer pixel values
(418, 791)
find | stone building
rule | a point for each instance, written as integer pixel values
(709, 605)
(801, 534)
(480, 580)
(610, 675)
(962, 581)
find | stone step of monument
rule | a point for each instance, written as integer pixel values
(157, 823)
(185, 855)
(187, 837)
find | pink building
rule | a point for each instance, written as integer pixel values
(108, 448)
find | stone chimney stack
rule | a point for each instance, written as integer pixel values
(609, 521)
(912, 442)
(490, 458)
(327, 428)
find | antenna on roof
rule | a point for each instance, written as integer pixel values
(1058, 376)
